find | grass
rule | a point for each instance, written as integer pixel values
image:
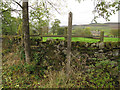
(107, 39)
(81, 39)
(45, 38)
(18, 74)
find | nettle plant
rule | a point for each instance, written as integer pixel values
(104, 74)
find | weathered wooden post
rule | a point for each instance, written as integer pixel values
(69, 35)
(65, 33)
(101, 36)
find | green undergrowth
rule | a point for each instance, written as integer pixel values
(45, 71)
(102, 75)
(44, 74)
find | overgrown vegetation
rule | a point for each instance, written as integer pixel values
(47, 72)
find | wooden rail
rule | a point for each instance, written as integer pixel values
(47, 36)
(61, 36)
(51, 36)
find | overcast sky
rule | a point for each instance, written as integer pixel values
(82, 13)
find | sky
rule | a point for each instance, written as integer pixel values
(82, 13)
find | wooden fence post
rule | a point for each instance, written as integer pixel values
(69, 35)
(101, 36)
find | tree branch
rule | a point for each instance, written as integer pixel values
(32, 7)
(18, 4)
(10, 10)
(53, 6)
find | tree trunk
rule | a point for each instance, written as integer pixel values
(26, 31)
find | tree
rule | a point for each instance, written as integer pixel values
(9, 25)
(25, 23)
(83, 32)
(26, 30)
(105, 8)
(60, 31)
(39, 17)
(25, 18)
(55, 25)
(87, 32)
(102, 9)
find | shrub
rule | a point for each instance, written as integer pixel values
(114, 32)
(82, 32)
(60, 31)
(103, 75)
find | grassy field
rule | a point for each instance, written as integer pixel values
(81, 39)
(106, 39)
(100, 27)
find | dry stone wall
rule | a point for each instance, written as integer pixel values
(57, 49)
(90, 52)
